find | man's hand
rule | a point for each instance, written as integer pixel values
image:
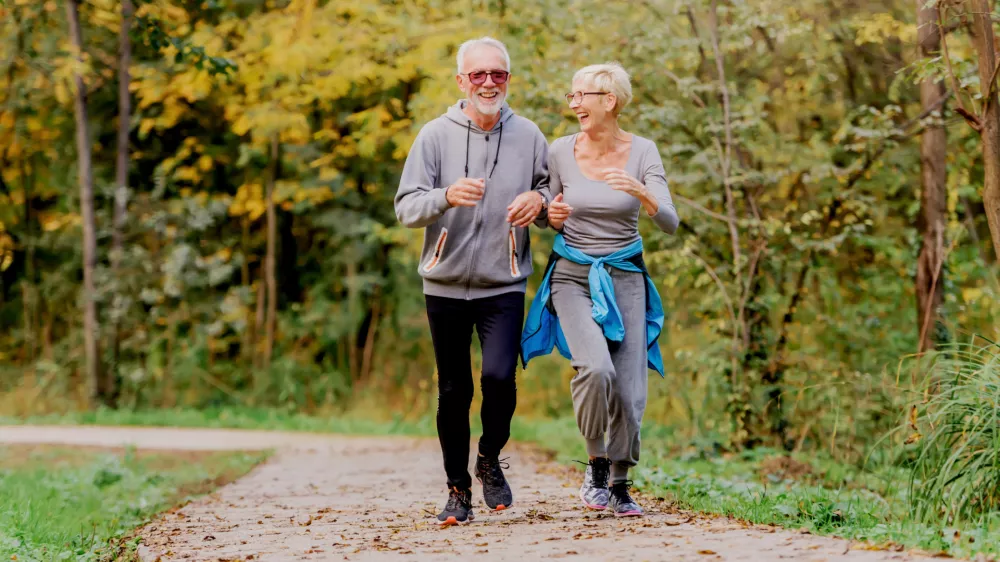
(465, 192)
(558, 212)
(525, 208)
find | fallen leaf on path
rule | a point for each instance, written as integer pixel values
(706, 552)
(209, 538)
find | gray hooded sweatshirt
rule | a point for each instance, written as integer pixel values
(472, 252)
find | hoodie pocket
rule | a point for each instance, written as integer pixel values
(515, 271)
(438, 251)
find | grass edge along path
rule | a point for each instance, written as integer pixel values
(86, 503)
(765, 487)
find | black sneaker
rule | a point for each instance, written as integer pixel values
(594, 491)
(496, 491)
(458, 510)
(622, 503)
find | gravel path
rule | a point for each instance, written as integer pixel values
(323, 497)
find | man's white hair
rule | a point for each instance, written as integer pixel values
(609, 77)
(485, 41)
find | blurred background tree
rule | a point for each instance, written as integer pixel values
(836, 206)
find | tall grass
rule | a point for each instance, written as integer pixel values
(955, 435)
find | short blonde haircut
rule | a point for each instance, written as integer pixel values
(608, 77)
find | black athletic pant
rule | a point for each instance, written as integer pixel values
(498, 322)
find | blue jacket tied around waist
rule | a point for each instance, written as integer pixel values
(542, 330)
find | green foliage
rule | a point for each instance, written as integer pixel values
(794, 332)
(71, 505)
(955, 434)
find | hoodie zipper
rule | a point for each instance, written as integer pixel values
(478, 221)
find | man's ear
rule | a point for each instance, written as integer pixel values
(458, 80)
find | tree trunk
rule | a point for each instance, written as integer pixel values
(990, 132)
(91, 334)
(247, 343)
(258, 324)
(272, 229)
(112, 385)
(933, 200)
(30, 292)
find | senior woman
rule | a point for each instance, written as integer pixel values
(597, 304)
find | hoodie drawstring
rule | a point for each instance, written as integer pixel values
(468, 137)
(497, 157)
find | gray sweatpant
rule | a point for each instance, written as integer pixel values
(609, 389)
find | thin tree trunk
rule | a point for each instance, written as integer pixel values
(933, 200)
(272, 229)
(86, 178)
(111, 391)
(990, 119)
(258, 324)
(246, 346)
(29, 292)
(28, 289)
(369, 348)
(739, 402)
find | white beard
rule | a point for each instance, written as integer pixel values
(488, 108)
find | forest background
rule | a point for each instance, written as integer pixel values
(196, 204)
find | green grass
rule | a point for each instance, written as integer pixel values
(955, 431)
(810, 491)
(238, 418)
(61, 503)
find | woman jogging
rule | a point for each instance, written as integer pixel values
(597, 303)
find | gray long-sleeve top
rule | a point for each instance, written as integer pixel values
(604, 220)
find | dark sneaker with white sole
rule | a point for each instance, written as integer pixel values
(458, 510)
(594, 492)
(621, 502)
(496, 491)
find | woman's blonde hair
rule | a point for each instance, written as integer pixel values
(608, 77)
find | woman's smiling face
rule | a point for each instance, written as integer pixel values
(591, 109)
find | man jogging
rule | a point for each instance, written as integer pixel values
(472, 180)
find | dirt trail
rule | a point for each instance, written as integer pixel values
(362, 498)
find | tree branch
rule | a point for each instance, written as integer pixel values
(973, 120)
(701, 209)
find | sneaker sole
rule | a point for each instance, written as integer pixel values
(593, 506)
(630, 514)
(453, 521)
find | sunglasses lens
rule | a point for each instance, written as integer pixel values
(499, 77)
(477, 78)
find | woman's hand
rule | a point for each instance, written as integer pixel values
(558, 212)
(620, 180)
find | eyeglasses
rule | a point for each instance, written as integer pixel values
(479, 77)
(578, 96)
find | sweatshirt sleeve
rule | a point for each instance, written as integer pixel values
(418, 201)
(553, 186)
(540, 173)
(655, 178)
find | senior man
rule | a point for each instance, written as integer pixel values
(474, 181)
